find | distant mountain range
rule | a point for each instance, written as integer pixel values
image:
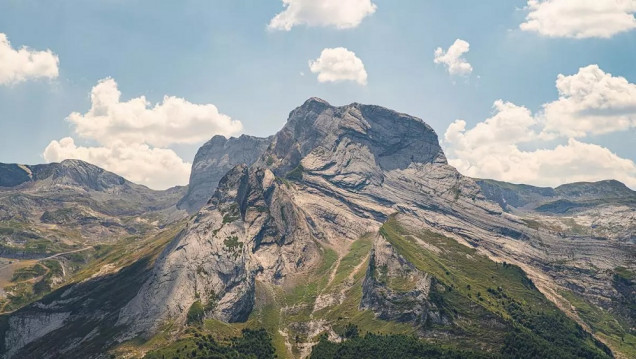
(347, 222)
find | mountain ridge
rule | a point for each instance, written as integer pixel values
(351, 215)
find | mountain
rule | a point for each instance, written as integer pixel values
(579, 195)
(213, 160)
(73, 173)
(57, 217)
(75, 195)
(349, 221)
(600, 210)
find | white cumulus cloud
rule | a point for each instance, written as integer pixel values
(157, 168)
(453, 58)
(590, 102)
(132, 136)
(172, 121)
(341, 14)
(580, 18)
(339, 64)
(510, 124)
(24, 63)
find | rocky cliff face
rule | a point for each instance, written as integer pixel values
(213, 160)
(394, 289)
(251, 228)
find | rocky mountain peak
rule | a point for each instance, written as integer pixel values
(362, 138)
(350, 213)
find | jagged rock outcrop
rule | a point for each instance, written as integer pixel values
(251, 228)
(213, 160)
(395, 290)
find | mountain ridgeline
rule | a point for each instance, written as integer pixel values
(348, 234)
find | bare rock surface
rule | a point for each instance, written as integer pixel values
(395, 290)
(213, 160)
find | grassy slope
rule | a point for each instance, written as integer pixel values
(604, 325)
(26, 285)
(480, 287)
(284, 311)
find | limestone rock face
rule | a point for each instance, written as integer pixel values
(250, 229)
(29, 328)
(213, 160)
(362, 138)
(395, 290)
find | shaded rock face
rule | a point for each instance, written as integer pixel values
(12, 175)
(213, 160)
(31, 327)
(76, 321)
(395, 290)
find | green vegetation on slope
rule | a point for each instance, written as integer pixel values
(28, 273)
(99, 290)
(252, 344)
(372, 346)
(285, 311)
(496, 311)
(604, 324)
(477, 288)
(30, 284)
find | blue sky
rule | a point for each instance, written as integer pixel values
(222, 53)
